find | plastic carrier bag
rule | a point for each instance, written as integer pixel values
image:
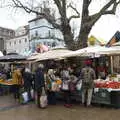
(79, 85)
(43, 99)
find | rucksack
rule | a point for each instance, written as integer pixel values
(87, 75)
(87, 78)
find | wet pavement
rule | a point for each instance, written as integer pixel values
(11, 110)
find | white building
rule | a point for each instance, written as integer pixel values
(42, 32)
(20, 42)
(5, 33)
(39, 31)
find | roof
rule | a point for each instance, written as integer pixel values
(114, 39)
(7, 29)
(116, 44)
(36, 18)
(12, 57)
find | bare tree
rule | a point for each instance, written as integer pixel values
(87, 21)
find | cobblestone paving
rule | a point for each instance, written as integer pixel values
(57, 112)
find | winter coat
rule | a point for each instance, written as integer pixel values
(39, 79)
(88, 77)
(27, 78)
(17, 77)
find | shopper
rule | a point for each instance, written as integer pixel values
(65, 86)
(18, 82)
(39, 82)
(88, 77)
(27, 78)
(51, 90)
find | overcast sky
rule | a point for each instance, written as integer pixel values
(13, 20)
(104, 28)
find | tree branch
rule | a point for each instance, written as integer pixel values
(104, 11)
(74, 16)
(59, 6)
(90, 1)
(113, 9)
(74, 9)
(48, 17)
(105, 8)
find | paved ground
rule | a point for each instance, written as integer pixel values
(10, 110)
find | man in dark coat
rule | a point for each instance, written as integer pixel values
(27, 78)
(39, 82)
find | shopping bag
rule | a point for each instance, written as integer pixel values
(79, 85)
(32, 94)
(25, 97)
(35, 97)
(65, 86)
(43, 99)
(72, 87)
(54, 87)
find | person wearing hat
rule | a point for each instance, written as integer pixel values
(88, 76)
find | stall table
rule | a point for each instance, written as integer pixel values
(5, 86)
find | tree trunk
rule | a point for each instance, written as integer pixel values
(83, 38)
(84, 32)
(68, 37)
(85, 27)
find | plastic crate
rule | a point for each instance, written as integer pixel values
(102, 97)
(115, 99)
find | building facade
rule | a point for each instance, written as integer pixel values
(20, 42)
(5, 34)
(42, 32)
(38, 32)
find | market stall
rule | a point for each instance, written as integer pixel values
(12, 58)
(107, 91)
(5, 86)
(8, 62)
(52, 54)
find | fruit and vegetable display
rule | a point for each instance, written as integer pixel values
(6, 82)
(107, 84)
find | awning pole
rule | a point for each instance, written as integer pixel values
(111, 60)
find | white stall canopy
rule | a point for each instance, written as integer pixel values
(94, 51)
(52, 54)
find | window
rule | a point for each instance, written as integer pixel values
(14, 42)
(19, 41)
(53, 44)
(44, 43)
(10, 43)
(36, 22)
(49, 33)
(32, 36)
(25, 39)
(36, 33)
(11, 33)
(49, 44)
